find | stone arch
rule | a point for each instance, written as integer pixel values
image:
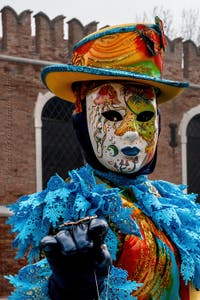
(187, 117)
(42, 99)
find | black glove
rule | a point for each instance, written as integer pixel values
(79, 259)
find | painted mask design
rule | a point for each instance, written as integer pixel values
(123, 125)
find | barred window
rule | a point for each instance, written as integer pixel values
(60, 148)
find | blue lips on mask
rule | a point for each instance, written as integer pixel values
(130, 151)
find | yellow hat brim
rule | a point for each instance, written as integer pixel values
(59, 79)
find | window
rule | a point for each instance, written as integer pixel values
(190, 146)
(60, 147)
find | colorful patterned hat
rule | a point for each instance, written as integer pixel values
(129, 52)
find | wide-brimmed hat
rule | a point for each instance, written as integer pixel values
(128, 52)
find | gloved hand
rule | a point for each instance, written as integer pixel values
(79, 259)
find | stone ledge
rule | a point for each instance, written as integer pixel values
(4, 212)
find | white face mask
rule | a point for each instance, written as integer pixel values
(123, 125)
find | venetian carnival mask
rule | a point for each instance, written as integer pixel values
(123, 125)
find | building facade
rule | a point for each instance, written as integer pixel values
(36, 135)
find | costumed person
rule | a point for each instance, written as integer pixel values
(109, 232)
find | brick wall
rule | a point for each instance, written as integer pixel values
(20, 84)
(8, 264)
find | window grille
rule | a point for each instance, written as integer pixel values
(193, 155)
(60, 147)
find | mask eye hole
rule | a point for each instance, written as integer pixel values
(145, 116)
(112, 115)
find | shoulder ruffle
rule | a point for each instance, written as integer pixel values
(178, 215)
(34, 215)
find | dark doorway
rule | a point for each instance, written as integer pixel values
(193, 155)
